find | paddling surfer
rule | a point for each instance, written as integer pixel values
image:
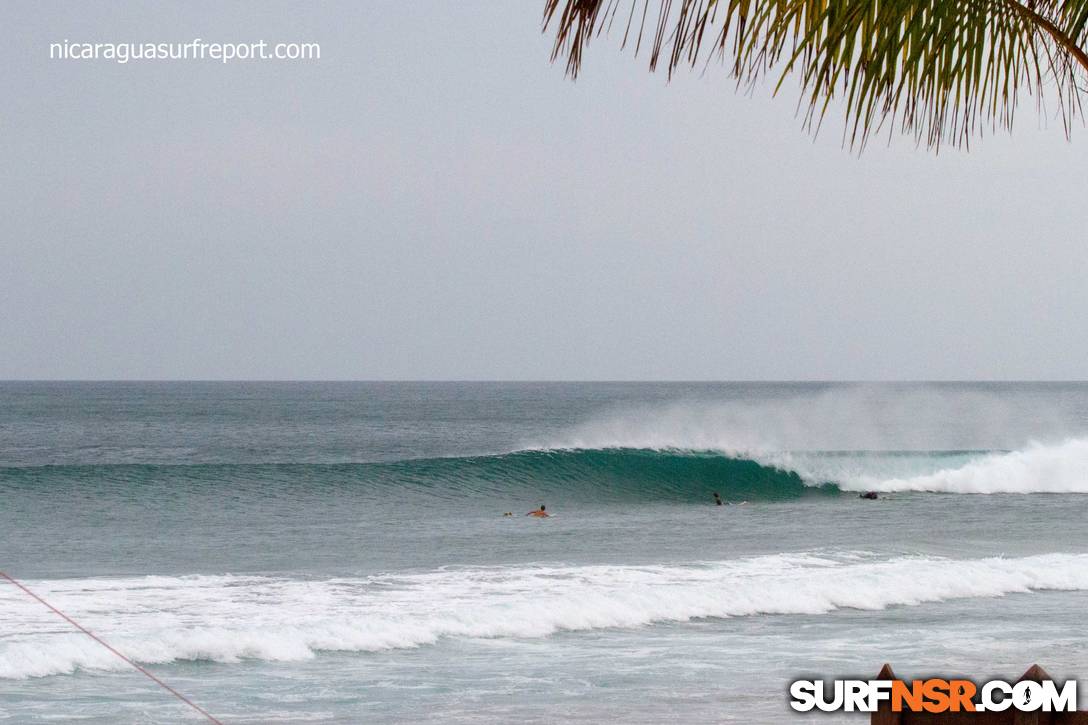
(539, 513)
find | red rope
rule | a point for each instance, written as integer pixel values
(105, 644)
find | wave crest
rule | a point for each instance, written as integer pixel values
(1038, 468)
(609, 474)
(233, 618)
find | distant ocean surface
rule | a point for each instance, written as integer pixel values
(337, 552)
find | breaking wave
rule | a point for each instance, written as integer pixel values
(234, 618)
(1038, 468)
(616, 473)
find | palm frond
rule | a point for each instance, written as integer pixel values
(942, 70)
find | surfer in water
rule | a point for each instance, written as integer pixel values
(539, 513)
(717, 499)
(870, 495)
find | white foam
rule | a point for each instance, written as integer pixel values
(234, 618)
(1038, 468)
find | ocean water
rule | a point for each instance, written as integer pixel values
(337, 552)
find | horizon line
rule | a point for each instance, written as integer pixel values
(857, 381)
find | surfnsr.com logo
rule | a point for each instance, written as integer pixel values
(932, 695)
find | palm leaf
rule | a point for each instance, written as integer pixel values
(943, 71)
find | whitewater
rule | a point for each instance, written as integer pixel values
(278, 619)
(324, 552)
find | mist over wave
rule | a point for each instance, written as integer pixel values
(232, 618)
(775, 447)
(864, 439)
(859, 418)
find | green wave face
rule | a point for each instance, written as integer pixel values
(621, 474)
(618, 474)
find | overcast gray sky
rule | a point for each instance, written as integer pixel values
(433, 199)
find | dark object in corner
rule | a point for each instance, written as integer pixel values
(884, 715)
